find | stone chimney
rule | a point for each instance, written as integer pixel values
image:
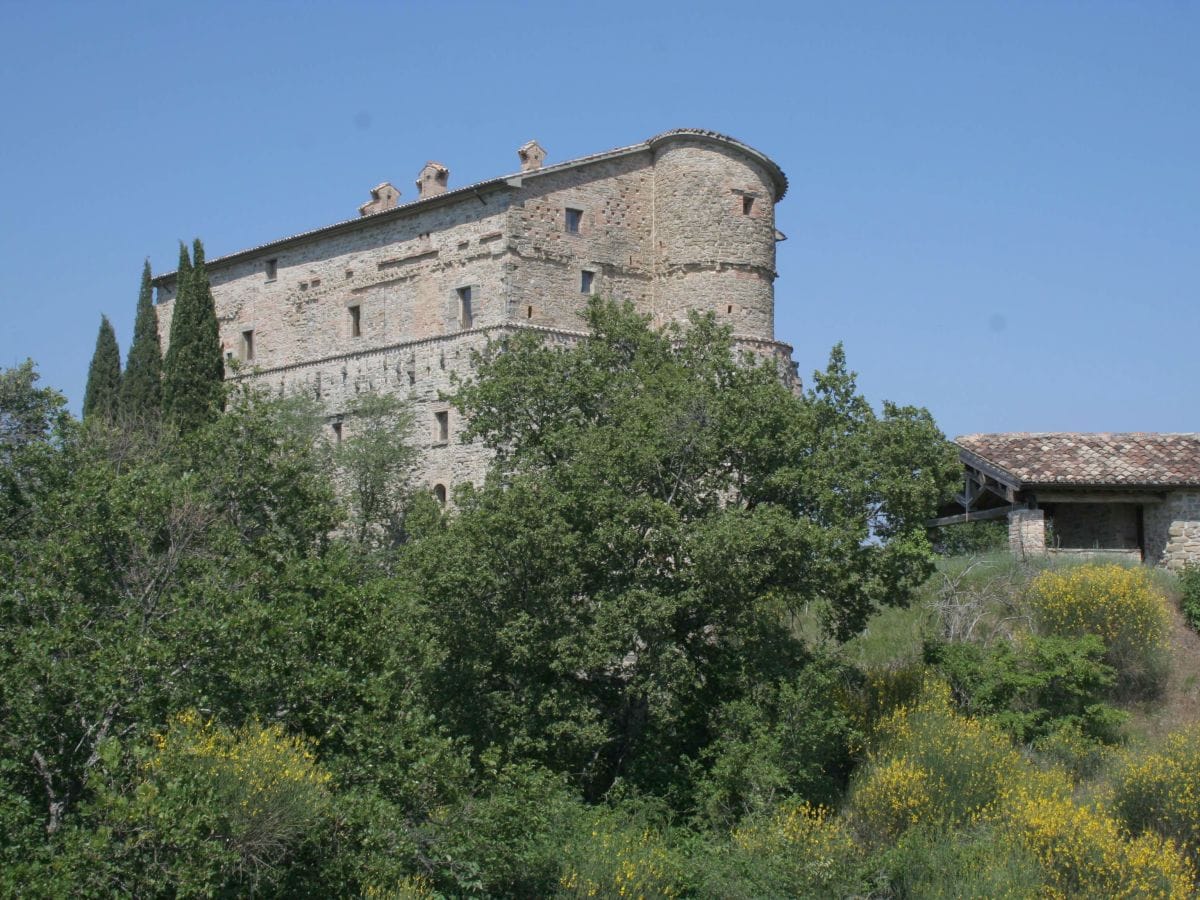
(383, 196)
(531, 155)
(432, 180)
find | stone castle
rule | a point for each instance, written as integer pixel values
(396, 299)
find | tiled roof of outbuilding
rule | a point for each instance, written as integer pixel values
(1133, 458)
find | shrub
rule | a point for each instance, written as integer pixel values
(790, 738)
(798, 850)
(217, 810)
(976, 862)
(1085, 854)
(1119, 605)
(1033, 686)
(969, 538)
(1189, 601)
(621, 859)
(1160, 792)
(933, 766)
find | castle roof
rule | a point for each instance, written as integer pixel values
(1079, 459)
(778, 179)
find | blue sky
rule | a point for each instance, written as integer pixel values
(996, 206)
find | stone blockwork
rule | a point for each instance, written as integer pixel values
(1027, 532)
(1173, 530)
(397, 299)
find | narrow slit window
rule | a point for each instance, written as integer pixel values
(441, 427)
(272, 269)
(747, 205)
(355, 321)
(573, 220)
(729, 309)
(585, 281)
(529, 312)
(439, 493)
(465, 314)
(248, 344)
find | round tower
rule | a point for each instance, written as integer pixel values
(714, 221)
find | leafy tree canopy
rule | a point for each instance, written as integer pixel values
(658, 506)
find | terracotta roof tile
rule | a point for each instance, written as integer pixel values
(1103, 458)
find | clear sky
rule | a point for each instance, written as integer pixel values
(996, 206)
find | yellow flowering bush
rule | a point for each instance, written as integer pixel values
(893, 797)
(932, 766)
(1160, 792)
(623, 862)
(1085, 853)
(253, 793)
(1119, 605)
(799, 850)
(411, 888)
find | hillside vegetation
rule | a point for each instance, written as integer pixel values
(690, 639)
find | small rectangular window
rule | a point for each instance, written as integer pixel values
(248, 344)
(747, 205)
(337, 432)
(355, 321)
(574, 218)
(272, 269)
(465, 314)
(585, 283)
(529, 312)
(441, 427)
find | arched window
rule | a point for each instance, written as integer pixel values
(439, 492)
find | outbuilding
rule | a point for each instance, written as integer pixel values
(1130, 493)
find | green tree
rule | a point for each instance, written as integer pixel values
(193, 371)
(141, 386)
(375, 462)
(657, 507)
(103, 395)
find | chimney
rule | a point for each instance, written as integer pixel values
(432, 180)
(383, 196)
(531, 155)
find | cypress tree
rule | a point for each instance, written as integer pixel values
(103, 395)
(141, 387)
(193, 371)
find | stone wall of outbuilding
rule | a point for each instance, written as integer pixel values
(1173, 530)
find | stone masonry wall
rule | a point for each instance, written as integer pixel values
(1027, 532)
(669, 229)
(1173, 530)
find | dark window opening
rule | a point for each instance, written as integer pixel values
(248, 344)
(272, 269)
(441, 427)
(747, 205)
(465, 314)
(585, 282)
(337, 432)
(729, 309)
(573, 220)
(355, 321)
(529, 312)
(439, 493)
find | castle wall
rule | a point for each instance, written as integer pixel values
(714, 222)
(666, 227)
(403, 275)
(614, 240)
